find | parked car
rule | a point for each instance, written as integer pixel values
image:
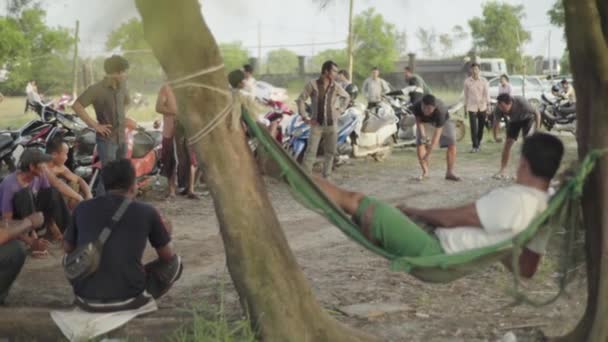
(534, 88)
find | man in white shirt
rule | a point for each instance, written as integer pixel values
(495, 217)
(374, 87)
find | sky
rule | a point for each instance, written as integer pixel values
(301, 25)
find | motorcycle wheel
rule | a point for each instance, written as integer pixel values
(460, 130)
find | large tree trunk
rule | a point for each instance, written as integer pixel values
(273, 291)
(587, 34)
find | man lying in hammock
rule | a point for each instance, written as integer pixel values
(493, 218)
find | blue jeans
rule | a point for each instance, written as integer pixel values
(108, 150)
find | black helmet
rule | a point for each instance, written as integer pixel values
(115, 64)
(352, 90)
(555, 89)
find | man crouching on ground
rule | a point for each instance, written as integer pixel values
(121, 282)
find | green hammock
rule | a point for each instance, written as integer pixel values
(440, 268)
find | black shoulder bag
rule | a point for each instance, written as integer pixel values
(84, 260)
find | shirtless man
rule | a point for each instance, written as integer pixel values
(59, 152)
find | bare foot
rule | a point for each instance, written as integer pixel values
(422, 177)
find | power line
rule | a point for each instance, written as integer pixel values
(298, 45)
(246, 47)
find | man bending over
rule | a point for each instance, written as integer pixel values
(493, 218)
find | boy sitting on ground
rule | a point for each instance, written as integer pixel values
(121, 282)
(59, 153)
(495, 217)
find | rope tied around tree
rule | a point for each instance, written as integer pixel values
(186, 82)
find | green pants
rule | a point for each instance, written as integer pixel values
(395, 232)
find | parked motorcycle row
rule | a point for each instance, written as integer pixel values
(143, 147)
(361, 132)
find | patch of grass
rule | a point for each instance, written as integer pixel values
(13, 117)
(210, 323)
(448, 96)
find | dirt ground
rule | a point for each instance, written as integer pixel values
(341, 273)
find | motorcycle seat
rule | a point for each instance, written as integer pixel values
(567, 110)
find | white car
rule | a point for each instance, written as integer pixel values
(534, 88)
(266, 91)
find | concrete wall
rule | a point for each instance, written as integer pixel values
(436, 80)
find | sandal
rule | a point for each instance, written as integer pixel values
(192, 195)
(499, 176)
(453, 178)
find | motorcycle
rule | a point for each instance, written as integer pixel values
(274, 118)
(360, 133)
(52, 123)
(556, 115)
(143, 149)
(406, 127)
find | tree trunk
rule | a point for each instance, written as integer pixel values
(273, 291)
(587, 35)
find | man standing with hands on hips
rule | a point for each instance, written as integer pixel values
(327, 101)
(109, 98)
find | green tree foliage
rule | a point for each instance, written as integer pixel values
(29, 49)
(128, 39)
(556, 14)
(234, 55)
(557, 17)
(496, 33)
(375, 44)
(337, 55)
(428, 41)
(282, 61)
(401, 44)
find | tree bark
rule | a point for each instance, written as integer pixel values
(273, 291)
(587, 35)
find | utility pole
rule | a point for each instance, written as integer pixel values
(259, 43)
(350, 39)
(75, 62)
(549, 57)
(523, 65)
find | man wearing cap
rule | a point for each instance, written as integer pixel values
(109, 98)
(34, 188)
